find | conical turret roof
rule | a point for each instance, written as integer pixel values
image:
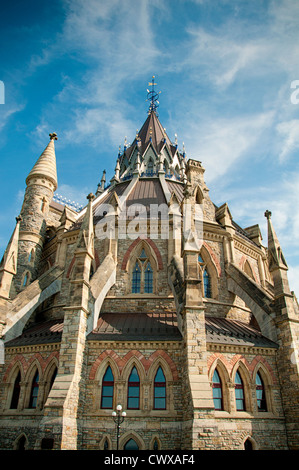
(46, 164)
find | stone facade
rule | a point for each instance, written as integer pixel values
(201, 295)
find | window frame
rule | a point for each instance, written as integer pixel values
(106, 384)
(133, 385)
(217, 386)
(159, 385)
(240, 386)
(258, 388)
(34, 391)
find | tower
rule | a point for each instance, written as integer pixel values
(41, 185)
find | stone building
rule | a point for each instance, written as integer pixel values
(153, 298)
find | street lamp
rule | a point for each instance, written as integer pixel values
(118, 418)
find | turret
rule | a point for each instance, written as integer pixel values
(41, 184)
(8, 266)
(277, 264)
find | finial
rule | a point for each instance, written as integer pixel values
(19, 218)
(268, 214)
(153, 96)
(53, 136)
(90, 197)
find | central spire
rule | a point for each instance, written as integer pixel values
(153, 96)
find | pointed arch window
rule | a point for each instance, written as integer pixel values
(217, 391)
(148, 279)
(239, 393)
(260, 393)
(25, 280)
(136, 279)
(131, 445)
(205, 278)
(150, 167)
(143, 275)
(16, 392)
(133, 390)
(34, 391)
(156, 445)
(160, 390)
(107, 389)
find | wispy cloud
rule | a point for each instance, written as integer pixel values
(290, 134)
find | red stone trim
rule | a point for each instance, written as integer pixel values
(134, 244)
(122, 361)
(239, 358)
(26, 364)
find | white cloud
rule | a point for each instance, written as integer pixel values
(219, 143)
(289, 131)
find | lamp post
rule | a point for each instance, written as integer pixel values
(118, 417)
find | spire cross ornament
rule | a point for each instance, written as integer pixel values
(268, 214)
(152, 96)
(53, 136)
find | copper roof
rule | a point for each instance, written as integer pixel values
(227, 331)
(158, 326)
(136, 327)
(145, 193)
(41, 333)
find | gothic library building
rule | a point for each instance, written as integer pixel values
(150, 300)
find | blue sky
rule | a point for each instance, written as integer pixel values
(225, 70)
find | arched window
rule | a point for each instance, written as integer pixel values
(21, 443)
(53, 377)
(148, 279)
(207, 284)
(160, 390)
(106, 444)
(25, 280)
(136, 279)
(239, 393)
(156, 444)
(131, 445)
(34, 391)
(260, 393)
(133, 390)
(205, 278)
(16, 393)
(217, 391)
(107, 389)
(150, 167)
(248, 445)
(142, 275)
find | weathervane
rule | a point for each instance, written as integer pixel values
(153, 96)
